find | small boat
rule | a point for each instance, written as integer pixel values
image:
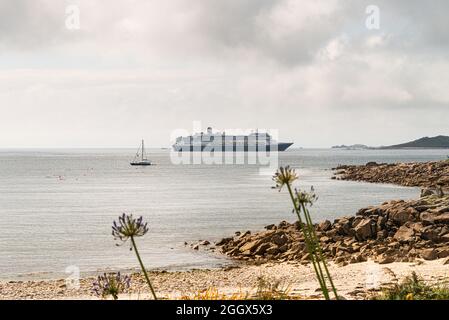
(140, 159)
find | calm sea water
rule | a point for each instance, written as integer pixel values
(57, 206)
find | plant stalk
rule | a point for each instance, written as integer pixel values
(143, 268)
(311, 249)
(320, 251)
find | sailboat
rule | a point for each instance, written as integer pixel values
(140, 158)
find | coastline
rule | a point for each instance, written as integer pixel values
(354, 281)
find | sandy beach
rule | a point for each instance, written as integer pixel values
(354, 281)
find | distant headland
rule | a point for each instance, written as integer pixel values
(438, 142)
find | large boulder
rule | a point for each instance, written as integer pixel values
(405, 234)
(443, 253)
(325, 225)
(430, 233)
(365, 229)
(435, 217)
(262, 249)
(250, 246)
(279, 238)
(429, 254)
(403, 215)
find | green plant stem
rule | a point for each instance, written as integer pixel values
(318, 258)
(143, 268)
(320, 251)
(311, 250)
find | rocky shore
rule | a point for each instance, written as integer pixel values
(396, 231)
(354, 281)
(431, 175)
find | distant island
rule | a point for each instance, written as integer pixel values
(438, 142)
(352, 147)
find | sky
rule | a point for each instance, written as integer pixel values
(92, 73)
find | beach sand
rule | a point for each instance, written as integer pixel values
(354, 281)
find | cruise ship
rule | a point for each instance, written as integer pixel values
(221, 142)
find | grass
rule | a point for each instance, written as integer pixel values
(266, 289)
(413, 288)
(212, 293)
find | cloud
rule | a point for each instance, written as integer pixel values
(143, 67)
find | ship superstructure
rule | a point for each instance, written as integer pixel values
(222, 142)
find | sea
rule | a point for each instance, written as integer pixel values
(57, 206)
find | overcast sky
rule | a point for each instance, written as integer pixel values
(141, 69)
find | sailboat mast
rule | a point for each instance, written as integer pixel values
(143, 149)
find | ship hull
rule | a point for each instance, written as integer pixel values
(252, 148)
(141, 163)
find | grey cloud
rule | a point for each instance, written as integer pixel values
(238, 63)
(28, 24)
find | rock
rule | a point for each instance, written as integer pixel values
(344, 227)
(273, 250)
(325, 225)
(205, 243)
(247, 233)
(356, 221)
(425, 192)
(271, 227)
(381, 235)
(262, 248)
(434, 217)
(279, 239)
(224, 241)
(364, 230)
(283, 224)
(402, 216)
(381, 222)
(430, 233)
(429, 254)
(404, 234)
(250, 246)
(446, 261)
(432, 177)
(443, 253)
(384, 259)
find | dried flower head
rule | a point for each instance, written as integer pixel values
(305, 198)
(111, 284)
(128, 227)
(284, 176)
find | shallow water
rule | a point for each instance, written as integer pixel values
(57, 206)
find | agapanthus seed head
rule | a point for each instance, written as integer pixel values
(128, 226)
(305, 198)
(284, 176)
(111, 284)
